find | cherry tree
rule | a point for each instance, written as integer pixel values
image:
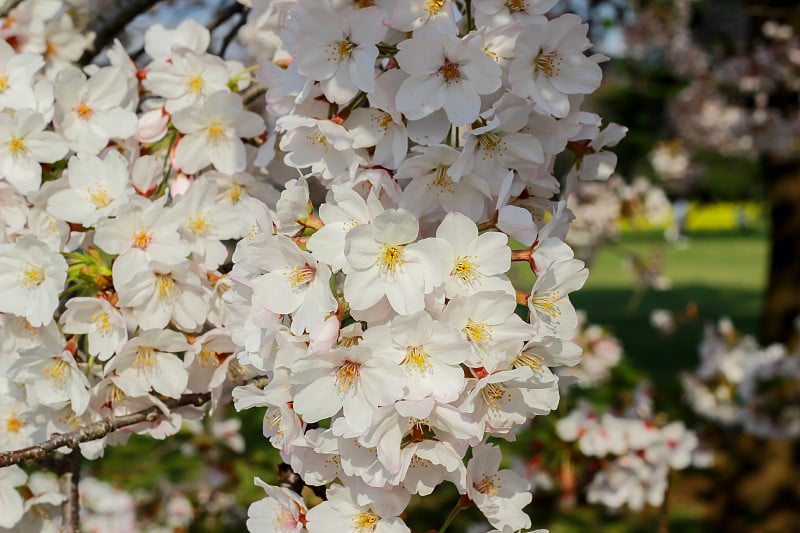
(320, 227)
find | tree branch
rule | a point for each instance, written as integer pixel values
(70, 509)
(109, 25)
(231, 35)
(101, 428)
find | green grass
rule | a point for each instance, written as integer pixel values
(723, 274)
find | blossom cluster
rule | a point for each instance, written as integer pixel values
(739, 383)
(600, 353)
(350, 242)
(637, 455)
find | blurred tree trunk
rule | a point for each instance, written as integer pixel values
(782, 299)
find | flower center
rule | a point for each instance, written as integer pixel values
(208, 359)
(114, 395)
(84, 111)
(101, 322)
(215, 133)
(17, 146)
(346, 375)
(58, 370)
(145, 358)
(319, 139)
(14, 424)
(3, 82)
(384, 121)
(488, 485)
(141, 239)
(365, 522)
(491, 144)
(340, 50)
(515, 6)
(466, 269)
(548, 63)
(478, 332)
(450, 72)
(548, 303)
(99, 196)
(535, 362)
(195, 85)
(442, 181)
(299, 276)
(417, 359)
(199, 225)
(493, 394)
(235, 192)
(390, 259)
(31, 276)
(433, 7)
(166, 288)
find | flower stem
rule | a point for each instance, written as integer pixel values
(451, 516)
(470, 20)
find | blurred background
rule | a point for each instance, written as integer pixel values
(690, 309)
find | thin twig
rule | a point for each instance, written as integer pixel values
(231, 35)
(221, 16)
(11, 5)
(108, 26)
(101, 428)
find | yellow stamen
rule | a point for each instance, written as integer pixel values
(101, 322)
(488, 484)
(515, 6)
(208, 359)
(14, 424)
(195, 85)
(58, 371)
(478, 332)
(17, 146)
(3, 83)
(365, 522)
(321, 140)
(145, 358)
(31, 276)
(215, 133)
(417, 359)
(433, 7)
(166, 288)
(141, 239)
(339, 51)
(450, 72)
(466, 269)
(84, 111)
(548, 303)
(99, 196)
(493, 394)
(300, 276)
(442, 182)
(549, 63)
(390, 259)
(199, 225)
(346, 375)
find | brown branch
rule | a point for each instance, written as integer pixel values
(11, 5)
(231, 35)
(70, 509)
(221, 16)
(110, 24)
(101, 428)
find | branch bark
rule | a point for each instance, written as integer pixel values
(110, 24)
(70, 509)
(101, 428)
